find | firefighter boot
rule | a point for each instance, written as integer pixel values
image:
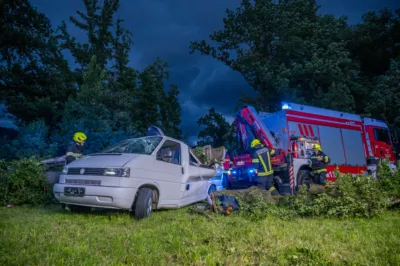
(274, 192)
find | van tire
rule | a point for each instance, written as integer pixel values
(79, 209)
(144, 203)
(303, 177)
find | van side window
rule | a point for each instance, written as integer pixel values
(192, 159)
(381, 134)
(170, 152)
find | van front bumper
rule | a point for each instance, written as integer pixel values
(97, 196)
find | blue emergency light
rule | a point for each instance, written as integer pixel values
(251, 170)
(286, 106)
(234, 172)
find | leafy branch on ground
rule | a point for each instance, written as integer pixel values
(23, 182)
(350, 196)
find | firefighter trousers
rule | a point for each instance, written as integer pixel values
(319, 178)
(265, 182)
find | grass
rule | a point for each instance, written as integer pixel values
(51, 236)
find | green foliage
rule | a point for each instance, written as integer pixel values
(215, 130)
(389, 181)
(32, 141)
(386, 95)
(358, 196)
(256, 204)
(104, 96)
(286, 50)
(34, 77)
(23, 182)
(199, 152)
(224, 240)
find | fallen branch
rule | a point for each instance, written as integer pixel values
(204, 212)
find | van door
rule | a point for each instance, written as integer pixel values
(194, 185)
(169, 170)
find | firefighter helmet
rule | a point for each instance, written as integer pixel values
(317, 147)
(255, 142)
(79, 136)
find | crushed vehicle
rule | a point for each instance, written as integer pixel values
(209, 155)
(139, 175)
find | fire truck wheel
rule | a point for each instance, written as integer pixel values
(303, 178)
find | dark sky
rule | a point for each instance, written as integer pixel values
(165, 27)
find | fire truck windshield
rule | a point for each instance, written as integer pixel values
(382, 134)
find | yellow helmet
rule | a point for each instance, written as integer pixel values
(79, 136)
(316, 147)
(255, 142)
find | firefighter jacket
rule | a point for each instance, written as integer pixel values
(74, 152)
(316, 165)
(261, 158)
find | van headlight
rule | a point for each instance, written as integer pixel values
(65, 170)
(119, 172)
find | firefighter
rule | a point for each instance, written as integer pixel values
(74, 150)
(261, 158)
(317, 163)
(227, 170)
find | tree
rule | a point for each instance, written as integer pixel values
(171, 113)
(97, 23)
(286, 51)
(34, 77)
(215, 131)
(89, 112)
(386, 95)
(32, 140)
(133, 98)
(373, 43)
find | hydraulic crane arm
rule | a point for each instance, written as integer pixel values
(250, 126)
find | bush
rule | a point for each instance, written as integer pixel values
(389, 182)
(358, 196)
(23, 182)
(256, 204)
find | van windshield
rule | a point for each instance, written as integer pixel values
(144, 145)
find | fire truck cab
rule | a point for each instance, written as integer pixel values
(354, 145)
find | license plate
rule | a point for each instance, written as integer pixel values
(74, 191)
(240, 163)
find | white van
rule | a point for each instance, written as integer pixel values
(138, 175)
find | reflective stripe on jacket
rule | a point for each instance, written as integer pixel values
(316, 165)
(74, 152)
(262, 161)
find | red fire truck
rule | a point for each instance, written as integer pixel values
(354, 144)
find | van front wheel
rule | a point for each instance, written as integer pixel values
(143, 204)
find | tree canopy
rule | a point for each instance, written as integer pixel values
(286, 50)
(102, 96)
